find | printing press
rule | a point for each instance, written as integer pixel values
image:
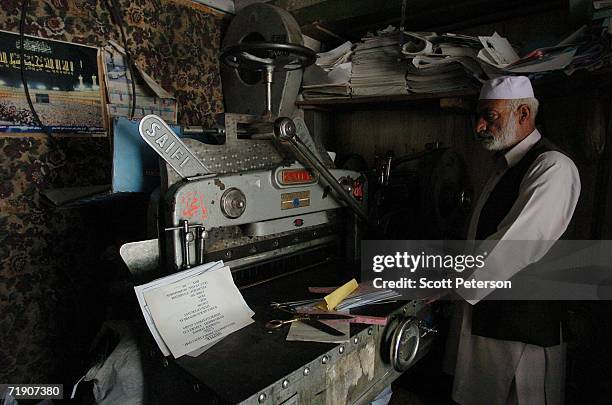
(270, 203)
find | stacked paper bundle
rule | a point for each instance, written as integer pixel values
(330, 75)
(452, 62)
(430, 63)
(377, 68)
(440, 63)
(190, 311)
(363, 296)
(593, 47)
(337, 301)
(430, 76)
(602, 9)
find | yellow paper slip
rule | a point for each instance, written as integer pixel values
(331, 301)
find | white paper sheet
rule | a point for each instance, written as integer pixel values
(337, 56)
(497, 51)
(198, 310)
(416, 44)
(140, 289)
(314, 76)
(551, 62)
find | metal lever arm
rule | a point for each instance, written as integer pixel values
(285, 130)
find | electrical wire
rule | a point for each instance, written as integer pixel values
(46, 129)
(114, 9)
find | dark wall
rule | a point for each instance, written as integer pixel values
(53, 273)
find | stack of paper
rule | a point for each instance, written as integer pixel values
(362, 296)
(330, 75)
(499, 54)
(441, 63)
(432, 75)
(592, 47)
(377, 68)
(365, 297)
(430, 63)
(334, 58)
(340, 300)
(190, 311)
(602, 9)
(451, 62)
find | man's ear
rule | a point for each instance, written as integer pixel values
(524, 113)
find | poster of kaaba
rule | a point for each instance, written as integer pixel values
(64, 84)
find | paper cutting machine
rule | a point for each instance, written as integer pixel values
(271, 204)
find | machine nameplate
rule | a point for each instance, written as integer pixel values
(167, 144)
(295, 200)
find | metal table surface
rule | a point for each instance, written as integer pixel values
(254, 357)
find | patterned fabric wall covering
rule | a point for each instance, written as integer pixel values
(177, 43)
(52, 287)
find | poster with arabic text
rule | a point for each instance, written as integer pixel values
(64, 84)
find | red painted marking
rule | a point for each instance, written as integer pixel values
(192, 206)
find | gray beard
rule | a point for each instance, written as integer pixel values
(503, 141)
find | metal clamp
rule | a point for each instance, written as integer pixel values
(187, 236)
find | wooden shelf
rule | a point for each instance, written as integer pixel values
(598, 82)
(340, 101)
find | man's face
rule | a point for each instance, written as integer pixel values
(496, 124)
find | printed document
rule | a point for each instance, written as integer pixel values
(193, 310)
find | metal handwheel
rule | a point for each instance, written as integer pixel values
(262, 56)
(268, 57)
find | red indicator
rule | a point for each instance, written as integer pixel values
(296, 176)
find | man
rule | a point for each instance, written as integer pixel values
(501, 357)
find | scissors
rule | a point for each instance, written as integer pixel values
(313, 320)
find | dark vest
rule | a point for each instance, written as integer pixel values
(533, 322)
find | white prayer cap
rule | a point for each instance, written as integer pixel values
(506, 88)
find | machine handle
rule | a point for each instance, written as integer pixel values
(285, 130)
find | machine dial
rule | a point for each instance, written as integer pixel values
(405, 344)
(233, 203)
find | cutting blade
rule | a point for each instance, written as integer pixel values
(322, 327)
